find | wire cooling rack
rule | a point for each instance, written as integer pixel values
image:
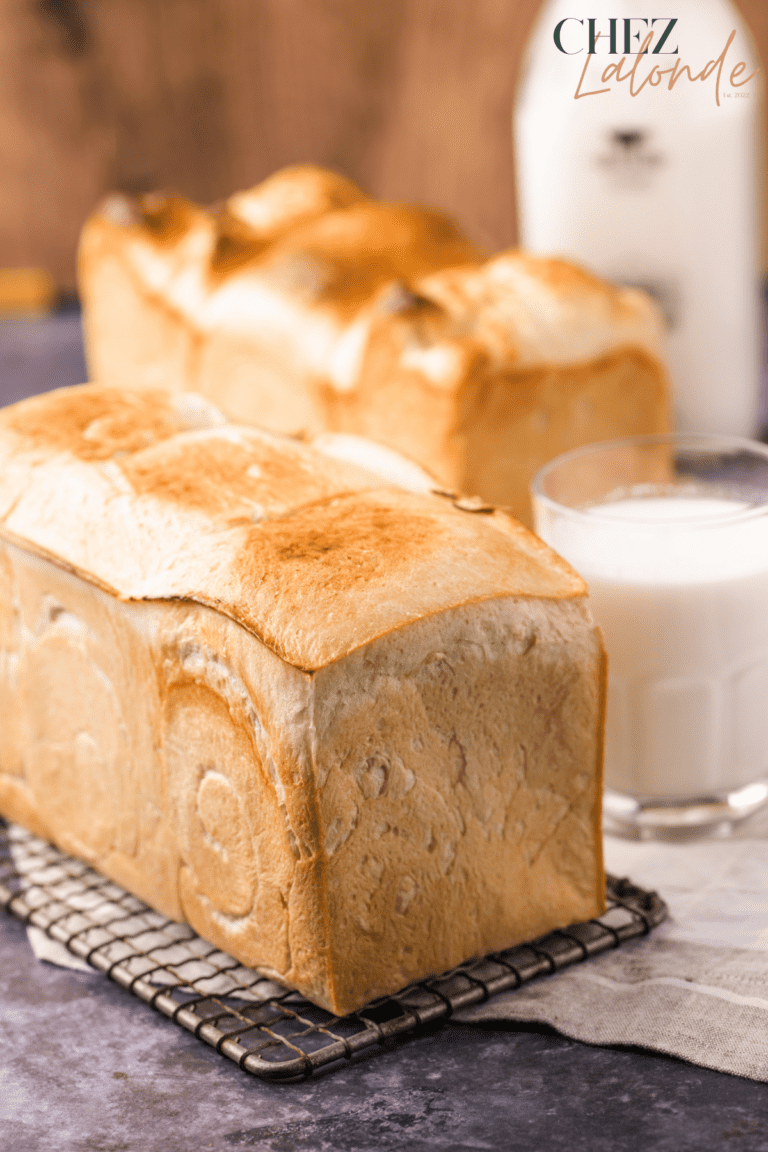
(269, 1031)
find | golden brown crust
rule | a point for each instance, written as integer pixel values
(293, 195)
(597, 810)
(369, 245)
(563, 276)
(235, 246)
(510, 423)
(316, 557)
(350, 732)
(93, 424)
(166, 216)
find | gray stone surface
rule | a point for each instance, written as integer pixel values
(84, 1067)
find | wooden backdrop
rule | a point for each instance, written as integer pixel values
(411, 98)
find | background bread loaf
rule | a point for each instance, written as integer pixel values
(303, 306)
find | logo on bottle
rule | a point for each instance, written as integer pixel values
(620, 37)
(629, 160)
(642, 64)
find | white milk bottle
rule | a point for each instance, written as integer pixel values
(646, 168)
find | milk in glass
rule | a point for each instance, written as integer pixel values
(679, 586)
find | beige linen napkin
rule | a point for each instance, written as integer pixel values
(697, 987)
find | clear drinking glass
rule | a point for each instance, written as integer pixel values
(671, 535)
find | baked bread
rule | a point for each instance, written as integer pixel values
(351, 733)
(304, 306)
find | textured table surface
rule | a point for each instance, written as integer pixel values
(86, 1068)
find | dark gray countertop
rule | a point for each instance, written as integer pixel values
(84, 1067)
(87, 1068)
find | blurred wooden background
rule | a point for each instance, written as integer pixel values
(411, 98)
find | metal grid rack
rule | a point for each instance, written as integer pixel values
(269, 1031)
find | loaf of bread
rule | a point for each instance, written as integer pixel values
(305, 306)
(351, 733)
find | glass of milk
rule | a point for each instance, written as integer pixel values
(671, 535)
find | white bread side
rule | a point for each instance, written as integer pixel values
(307, 307)
(347, 795)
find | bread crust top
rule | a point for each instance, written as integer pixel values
(151, 495)
(309, 247)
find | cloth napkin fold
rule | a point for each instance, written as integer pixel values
(47, 949)
(697, 987)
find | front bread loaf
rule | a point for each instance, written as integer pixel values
(303, 305)
(351, 733)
